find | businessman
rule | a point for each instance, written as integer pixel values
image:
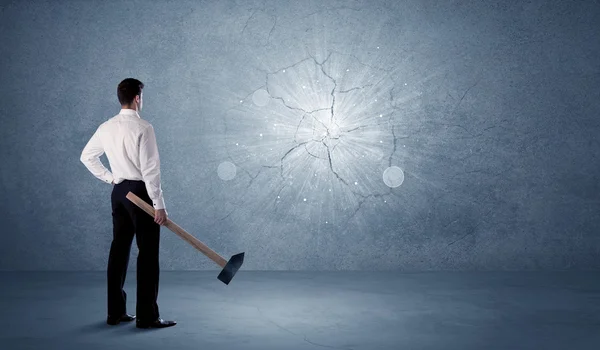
(130, 146)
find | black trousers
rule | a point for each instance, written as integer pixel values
(130, 220)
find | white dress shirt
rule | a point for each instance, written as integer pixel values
(132, 152)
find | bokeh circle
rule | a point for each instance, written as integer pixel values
(393, 176)
(226, 171)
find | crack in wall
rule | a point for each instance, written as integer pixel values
(254, 12)
(328, 147)
(327, 137)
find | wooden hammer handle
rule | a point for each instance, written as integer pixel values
(179, 231)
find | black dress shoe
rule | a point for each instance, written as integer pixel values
(158, 323)
(116, 320)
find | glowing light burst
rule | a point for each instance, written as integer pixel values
(316, 138)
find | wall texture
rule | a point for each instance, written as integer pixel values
(325, 135)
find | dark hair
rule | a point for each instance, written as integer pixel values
(128, 89)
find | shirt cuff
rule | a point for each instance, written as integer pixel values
(159, 204)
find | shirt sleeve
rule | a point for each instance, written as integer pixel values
(90, 157)
(150, 167)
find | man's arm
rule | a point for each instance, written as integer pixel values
(150, 167)
(90, 157)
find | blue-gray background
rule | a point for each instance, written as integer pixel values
(491, 111)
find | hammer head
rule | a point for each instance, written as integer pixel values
(233, 265)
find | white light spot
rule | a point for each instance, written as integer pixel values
(393, 176)
(405, 84)
(347, 70)
(260, 135)
(377, 47)
(226, 171)
(260, 97)
(356, 183)
(305, 199)
(380, 141)
(278, 197)
(381, 115)
(334, 131)
(237, 144)
(330, 190)
(241, 101)
(284, 70)
(404, 145)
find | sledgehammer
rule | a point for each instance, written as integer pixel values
(229, 267)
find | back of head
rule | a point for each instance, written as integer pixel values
(128, 89)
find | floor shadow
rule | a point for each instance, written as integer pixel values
(141, 330)
(123, 328)
(95, 327)
(101, 326)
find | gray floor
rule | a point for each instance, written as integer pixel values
(297, 310)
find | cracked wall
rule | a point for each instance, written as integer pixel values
(312, 135)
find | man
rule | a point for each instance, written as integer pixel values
(132, 152)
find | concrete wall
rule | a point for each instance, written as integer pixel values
(410, 135)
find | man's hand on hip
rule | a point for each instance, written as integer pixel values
(160, 216)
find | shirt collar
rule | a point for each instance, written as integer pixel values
(132, 112)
